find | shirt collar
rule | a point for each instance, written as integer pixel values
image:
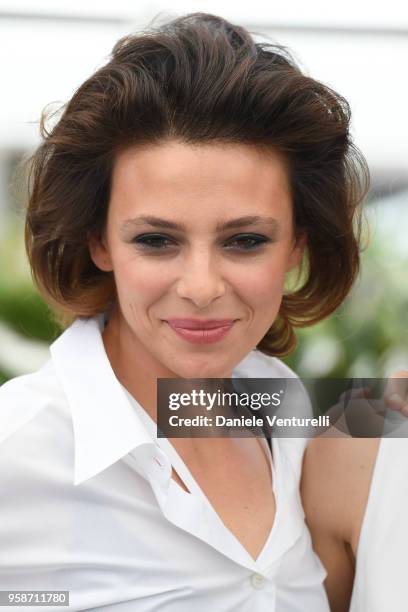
(106, 425)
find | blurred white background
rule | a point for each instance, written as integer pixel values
(360, 49)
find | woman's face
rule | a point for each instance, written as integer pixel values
(198, 233)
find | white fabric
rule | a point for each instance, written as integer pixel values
(88, 503)
(381, 568)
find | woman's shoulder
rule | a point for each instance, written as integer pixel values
(41, 380)
(32, 407)
(36, 458)
(336, 480)
(339, 460)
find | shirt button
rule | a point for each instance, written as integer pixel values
(257, 581)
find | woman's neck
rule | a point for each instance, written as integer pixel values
(134, 366)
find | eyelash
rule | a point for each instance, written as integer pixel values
(143, 239)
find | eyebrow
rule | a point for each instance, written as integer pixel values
(157, 222)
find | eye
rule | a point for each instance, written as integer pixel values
(247, 242)
(153, 241)
(161, 242)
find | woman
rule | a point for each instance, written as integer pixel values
(362, 543)
(182, 184)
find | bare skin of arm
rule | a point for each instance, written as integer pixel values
(336, 480)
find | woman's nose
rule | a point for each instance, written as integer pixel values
(201, 280)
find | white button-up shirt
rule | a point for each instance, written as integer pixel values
(88, 505)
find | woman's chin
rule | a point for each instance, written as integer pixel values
(200, 370)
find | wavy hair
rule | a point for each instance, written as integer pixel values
(196, 79)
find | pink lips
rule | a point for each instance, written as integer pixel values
(201, 332)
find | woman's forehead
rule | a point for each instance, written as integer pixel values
(170, 160)
(176, 175)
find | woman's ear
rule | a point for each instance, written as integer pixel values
(99, 251)
(298, 250)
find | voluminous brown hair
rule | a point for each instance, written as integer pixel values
(197, 79)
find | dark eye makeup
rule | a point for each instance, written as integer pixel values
(248, 242)
(240, 242)
(153, 241)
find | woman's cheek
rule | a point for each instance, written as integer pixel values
(265, 285)
(139, 278)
